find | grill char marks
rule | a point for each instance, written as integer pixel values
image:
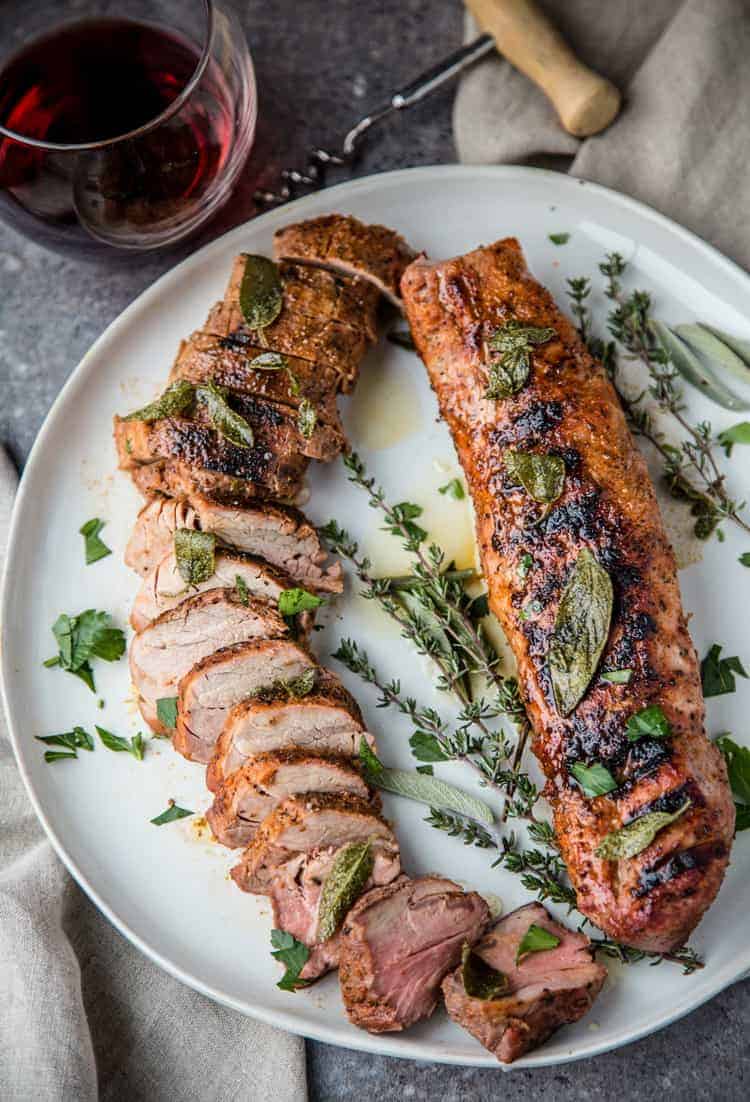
(568, 406)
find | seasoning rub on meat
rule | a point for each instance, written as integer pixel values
(583, 581)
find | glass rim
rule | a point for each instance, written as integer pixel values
(173, 108)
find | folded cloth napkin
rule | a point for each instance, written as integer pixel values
(679, 143)
(84, 1014)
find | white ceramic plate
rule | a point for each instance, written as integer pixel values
(167, 888)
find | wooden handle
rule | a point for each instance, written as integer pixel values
(585, 101)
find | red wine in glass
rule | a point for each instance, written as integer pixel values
(146, 173)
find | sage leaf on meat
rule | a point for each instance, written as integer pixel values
(94, 547)
(536, 940)
(227, 422)
(195, 555)
(166, 711)
(580, 631)
(294, 689)
(307, 419)
(269, 361)
(510, 371)
(293, 601)
(594, 779)
(261, 293)
(718, 674)
(650, 722)
(171, 814)
(293, 955)
(350, 871)
(422, 788)
(480, 979)
(176, 399)
(633, 838)
(542, 476)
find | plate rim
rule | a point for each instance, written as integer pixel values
(282, 1019)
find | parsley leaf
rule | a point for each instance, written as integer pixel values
(559, 238)
(166, 711)
(83, 637)
(425, 747)
(651, 722)
(594, 779)
(404, 515)
(536, 940)
(292, 601)
(293, 955)
(134, 746)
(736, 434)
(95, 548)
(738, 767)
(718, 674)
(744, 558)
(71, 741)
(171, 814)
(454, 489)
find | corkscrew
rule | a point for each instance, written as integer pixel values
(294, 182)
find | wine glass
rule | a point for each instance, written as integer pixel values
(122, 124)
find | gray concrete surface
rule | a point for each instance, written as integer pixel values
(318, 65)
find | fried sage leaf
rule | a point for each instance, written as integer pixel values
(177, 398)
(261, 294)
(307, 418)
(195, 555)
(349, 873)
(269, 361)
(542, 476)
(633, 838)
(422, 788)
(580, 631)
(536, 940)
(514, 341)
(481, 980)
(224, 419)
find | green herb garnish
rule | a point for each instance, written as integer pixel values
(632, 839)
(580, 631)
(349, 872)
(425, 747)
(171, 814)
(71, 741)
(242, 591)
(481, 980)
(293, 955)
(296, 600)
(650, 722)
(454, 489)
(542, 476)
(737, 434)
(269, 361)
(134, 746)
(617, 677)
(744, 558)
(227, 422)
(525, 564)
(178, 398)
(559, 238)
(738, 768)
(536, 940)
(166, 711)
(80, 638)
(718, 674)
(594, 779)
(195, 555)
(94, 548)
(261, 293)
(307, 418)
(514, 341)
(293, 689)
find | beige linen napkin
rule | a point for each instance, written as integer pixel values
(83, 1014)
(681, 141)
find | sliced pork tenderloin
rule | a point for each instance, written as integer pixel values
(214, 685)
(164, 587)
(344, 244)
(252, 792)
(545, 989)
(397, 945)
(281, 535)
(179, 457)
(292, 853)
(326, 720)
(162, 654)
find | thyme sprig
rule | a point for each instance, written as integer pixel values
(690, 468)
(685, 956)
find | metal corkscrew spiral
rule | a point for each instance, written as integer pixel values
(296, 182)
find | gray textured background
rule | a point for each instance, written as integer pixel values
(318, 65)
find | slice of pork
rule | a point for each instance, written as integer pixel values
(245, 798)
(397, 945)
(282, 536)
(547, 989)
(325, 721)
(214, 685)
(169, 647)
(164, 587)
(344, 244)
(292, 853)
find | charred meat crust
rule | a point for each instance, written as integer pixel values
(569, 407)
